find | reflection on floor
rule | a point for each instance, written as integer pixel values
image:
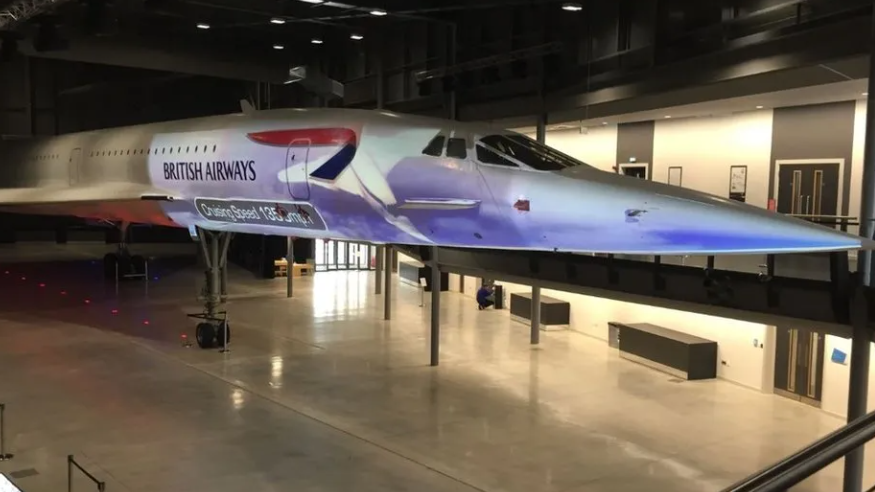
(319, 393)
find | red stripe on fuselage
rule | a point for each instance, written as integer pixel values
(313, 136)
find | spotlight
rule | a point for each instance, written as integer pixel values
(277, 20)
(316, 41)
(378, 12)
(202, 25)
(356, 37)
(572, 7)
(278, 47)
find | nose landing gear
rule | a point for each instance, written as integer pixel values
(122, 264)
(213, 330)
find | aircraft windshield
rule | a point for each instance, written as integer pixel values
(530, 152)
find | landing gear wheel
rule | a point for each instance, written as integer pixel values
(221, 331)
(109, 262)
(138, 265)
(205, 334)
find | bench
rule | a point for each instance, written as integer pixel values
(555, 314)
(670, 351)
(281, 268)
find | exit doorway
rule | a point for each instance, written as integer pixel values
(799, 365)
(809, 187)
(634, 169)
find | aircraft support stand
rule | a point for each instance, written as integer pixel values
(858, 384)
(435, 307)
(214, 329)
(535, 334)
(290, 261)
(387, 281)
(378, 267)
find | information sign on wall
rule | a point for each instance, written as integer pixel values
(738, 183)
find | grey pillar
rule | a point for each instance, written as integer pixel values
(541, 129)
(215, 275)
(461, 283)
(387, 295)
(535, 333)
(435, 307)
(859, 370)
(378, 284)
(290, 261)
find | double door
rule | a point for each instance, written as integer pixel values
(808, 189)
(334, 255)
(799, 365)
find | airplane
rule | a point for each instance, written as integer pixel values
(383, 178)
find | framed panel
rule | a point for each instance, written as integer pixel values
(738, 183)
(675, 175)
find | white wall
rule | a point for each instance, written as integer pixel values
(836, 377)
(706, 148)
(735, 339)
(855, 193)
(594, 146)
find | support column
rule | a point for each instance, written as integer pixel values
(387, 296)
(378, 267)
(435, 307)
(452, 47)
(535, 332)
(290, 261)
(858, 384)
(461, 283)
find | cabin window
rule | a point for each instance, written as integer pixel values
(487, 156)
(196, 147)
(531, 153)
(436, 147)
(214, 148)
(457, 148)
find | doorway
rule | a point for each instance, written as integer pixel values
(636, 170)
(334, 255)
(809, 188)
(799, 365)
(297, 169)
(73, 166)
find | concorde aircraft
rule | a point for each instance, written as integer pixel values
(381, 177)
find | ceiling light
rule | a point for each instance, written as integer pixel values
(667, 116)
(201, 25)
(316, 41)
(378, 12)
(277, 20)
(278, 47)
(313, 1)
(759, 107)
(572, 7)
(604, 122)
(865, 93)
(356, 37)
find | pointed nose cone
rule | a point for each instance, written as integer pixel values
(718, 225)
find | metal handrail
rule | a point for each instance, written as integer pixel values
(791, 477)
(805, 455)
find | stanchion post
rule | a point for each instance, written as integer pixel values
(69, 473)
(146, 274)
(4, 456)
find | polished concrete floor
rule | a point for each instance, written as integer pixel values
(318, 393)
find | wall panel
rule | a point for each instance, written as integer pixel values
(594, 146)
(706, 148)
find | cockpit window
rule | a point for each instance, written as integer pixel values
(457, 148)
(530, 152)
(435, 147)
(487, 156)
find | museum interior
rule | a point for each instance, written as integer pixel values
(141, 349)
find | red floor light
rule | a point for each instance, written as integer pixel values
(114, 311)
(87, 301)
(63, 292)
(42, 285)
(23, 278)
(145, 322)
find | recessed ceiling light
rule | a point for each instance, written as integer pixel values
(316, 41)
(668, 116)
(604, 122)
(277, 20)
(201, 25)
(572, 7)
(378, 12)
(865, 93)
(356, 37)
(759, 107)
(278, 47)
(313, 1)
